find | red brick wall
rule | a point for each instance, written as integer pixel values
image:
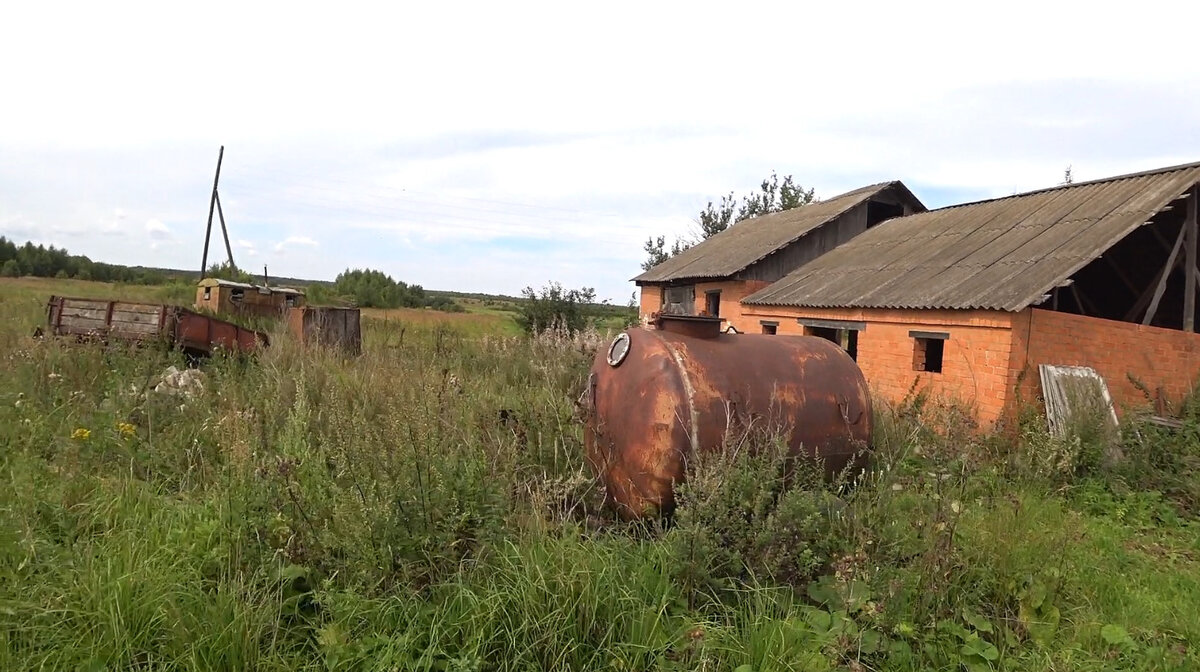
(990, 354)
(651, 301)
(732, 293)
(1157, 357)
(977, 359)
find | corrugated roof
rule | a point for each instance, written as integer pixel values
(220, 282)
(749, 241)
(1003, 254)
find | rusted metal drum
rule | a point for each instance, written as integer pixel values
(656, 396)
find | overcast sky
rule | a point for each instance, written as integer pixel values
(486, 147)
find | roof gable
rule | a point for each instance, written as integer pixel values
(1003, 254)
(747, 242)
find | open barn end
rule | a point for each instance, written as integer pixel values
(965, 303)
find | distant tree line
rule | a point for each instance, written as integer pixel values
(369, 288)
(52, 262)
(365, 288)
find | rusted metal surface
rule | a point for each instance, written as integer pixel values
(103, 320)
(1005, 253)
(339, 328)
(694, 326)
(656, 397)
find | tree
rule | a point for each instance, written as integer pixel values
(657, 249)
(227, 271)
(555, 308)
(772, 196)
(375, 289)
(10, 269)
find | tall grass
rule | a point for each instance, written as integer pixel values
(426, 506)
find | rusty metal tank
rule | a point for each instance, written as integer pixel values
(657, 395)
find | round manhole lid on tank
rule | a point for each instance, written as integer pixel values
(619, 349)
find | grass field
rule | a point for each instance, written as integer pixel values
(308, 511)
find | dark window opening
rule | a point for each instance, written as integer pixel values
(712, 303)
(236, 295)
(770, 327)
(928, 351)
(290, 301)
(846, 339)
(878, 212)
(679, 300)
(207, 292)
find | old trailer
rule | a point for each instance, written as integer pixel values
(192, 332)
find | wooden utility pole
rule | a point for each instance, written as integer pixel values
(1189, 288)
(214, 202)
(224, 231)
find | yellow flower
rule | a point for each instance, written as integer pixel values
(81, 434)
(125, 429)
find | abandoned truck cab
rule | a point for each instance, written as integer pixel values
(681, 388)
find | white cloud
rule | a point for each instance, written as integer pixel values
(246, 246)
(579, 151)
(295, 241)
(157, 230)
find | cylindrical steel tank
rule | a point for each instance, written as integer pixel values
(656, 396)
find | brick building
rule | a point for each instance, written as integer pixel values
(714, 276)
(965, 301)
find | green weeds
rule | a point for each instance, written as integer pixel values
(426, 506)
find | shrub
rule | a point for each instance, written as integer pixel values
(555, 308)
(750, 511)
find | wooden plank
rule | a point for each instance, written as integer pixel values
(91, 322)
(1144, 300)
(140, 308)
(137, 333)
(90, 305)
(1164, 276)
(135, 318)
(143, 325)
(1189, 287)
(99, 314)
(1078, 301)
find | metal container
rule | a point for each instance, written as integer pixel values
(339, 328)
(657, 396)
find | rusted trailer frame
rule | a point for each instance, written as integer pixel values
(192, 332)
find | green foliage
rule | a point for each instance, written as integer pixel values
(321, 294)
(772, 196)
(227, 271)
(374, 289)
(310, 511)
(657, 252)
(555, 308)
(749, 510)
(51, 262)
